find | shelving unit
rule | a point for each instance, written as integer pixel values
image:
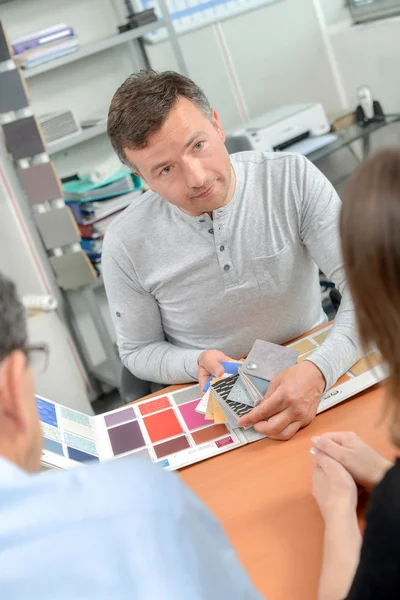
(109, 371)
(76, 138)
(95, 48)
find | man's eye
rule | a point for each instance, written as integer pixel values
(199, 145)
(165, 171)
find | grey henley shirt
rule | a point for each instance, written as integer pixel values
(179, 284)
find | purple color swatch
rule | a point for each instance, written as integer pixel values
(119, 417)
(125, 438)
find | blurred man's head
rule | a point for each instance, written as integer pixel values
(20, 434)
(162, 126)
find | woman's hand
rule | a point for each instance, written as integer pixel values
(364, 464)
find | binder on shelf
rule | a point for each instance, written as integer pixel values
(42, 37)
(83, 190)
(38, 56)
(97, 228)
(88, 212)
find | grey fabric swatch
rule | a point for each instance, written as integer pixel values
(58, 228)
(24, 138)
(41, 183)
(268, 360)
(73, 270)
(239, 393)
(13, 94)
(5, 48)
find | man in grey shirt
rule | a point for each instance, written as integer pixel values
(221, 251)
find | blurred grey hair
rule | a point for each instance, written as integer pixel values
(13, 332)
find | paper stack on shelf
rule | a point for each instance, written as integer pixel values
(95, 205)
(44, 45)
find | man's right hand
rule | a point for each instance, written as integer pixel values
(209, 363)
(364, 464)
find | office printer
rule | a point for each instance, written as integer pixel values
(283, 127)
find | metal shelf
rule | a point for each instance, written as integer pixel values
(78, 138)
(94, 48)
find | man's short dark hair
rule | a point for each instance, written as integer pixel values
(142, 104)
(12, 319)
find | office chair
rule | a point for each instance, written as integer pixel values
(238, 143)
(132, 388)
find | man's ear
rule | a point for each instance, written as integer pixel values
(12, 399)
(217, 124)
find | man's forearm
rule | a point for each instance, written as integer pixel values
(342, 543)
(162, 362)
(341, 348)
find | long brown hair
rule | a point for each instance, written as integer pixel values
(370, 233)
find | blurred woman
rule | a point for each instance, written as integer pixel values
(356, 569)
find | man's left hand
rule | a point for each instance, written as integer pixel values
(290, 403)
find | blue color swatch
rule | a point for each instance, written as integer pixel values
(47, 412)
(53, 446)
(80, 456)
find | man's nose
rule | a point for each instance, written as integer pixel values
(195, 174)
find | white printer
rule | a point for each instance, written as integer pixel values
(285, 126)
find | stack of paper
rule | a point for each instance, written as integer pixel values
(42, 46)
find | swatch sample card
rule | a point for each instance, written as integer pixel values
(166, 430)
(73, 270)
(41, 183)
(6, 52)
(24, 138)
(13, 92)
(58, 228)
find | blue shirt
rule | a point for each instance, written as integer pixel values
(117, 530)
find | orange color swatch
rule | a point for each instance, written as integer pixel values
(162, 425)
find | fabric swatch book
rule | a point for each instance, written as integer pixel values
(234, 395)
(166, 430)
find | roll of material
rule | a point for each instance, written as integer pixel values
(42, 302)
(104, 170)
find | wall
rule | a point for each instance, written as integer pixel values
(278, 54)
(365, 54)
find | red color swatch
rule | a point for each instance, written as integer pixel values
(151, 407)
(162, 425)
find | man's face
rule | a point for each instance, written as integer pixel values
(186, 161)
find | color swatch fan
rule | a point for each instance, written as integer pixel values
(235, 395)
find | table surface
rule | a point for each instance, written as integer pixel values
(349, 135)
(261, 493)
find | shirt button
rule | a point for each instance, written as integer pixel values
(226, 268)
(222, 248)
(211, 230)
